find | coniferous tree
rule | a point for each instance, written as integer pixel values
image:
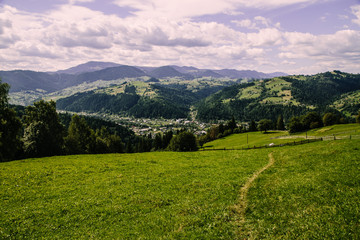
(358, 118)
(167, 138)
(280, 123)
(158, 141)
(232, 124)
(252, 126)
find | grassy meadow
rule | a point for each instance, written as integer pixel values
(311, 192)
(124, 196)
(245, 140)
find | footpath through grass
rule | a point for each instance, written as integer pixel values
(124, 196)
(311, 192)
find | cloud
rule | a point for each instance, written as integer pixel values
(356, 11)
(164, 32)
(36, 51)
(266, 37)
(246, 23)
(343, 44)
(179, 9)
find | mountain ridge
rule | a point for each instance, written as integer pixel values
(24, 80)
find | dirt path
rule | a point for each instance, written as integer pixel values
(241, 206)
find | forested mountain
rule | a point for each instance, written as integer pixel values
(134, 99)
(289, 96)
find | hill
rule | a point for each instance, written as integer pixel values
(289, 96)
(91, 66)
(168, 72)
(24, 80)
(137, 99)
(185, 195)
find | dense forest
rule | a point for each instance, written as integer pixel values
(167, 103)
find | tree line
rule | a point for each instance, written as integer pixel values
(39, 131)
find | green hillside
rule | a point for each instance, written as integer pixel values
(138, 99)
(310, 192)
(348, 103)
(289, 96)
(259, 139)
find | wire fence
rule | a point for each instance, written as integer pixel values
(292, 143)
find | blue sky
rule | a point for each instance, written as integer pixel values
(293, 36)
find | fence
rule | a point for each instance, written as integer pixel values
(292, 143)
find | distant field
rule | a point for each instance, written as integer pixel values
(311, 192)
(258, 139)
(251, 139)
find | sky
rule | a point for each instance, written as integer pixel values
(292, 36)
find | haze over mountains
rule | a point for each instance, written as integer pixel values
(23, 80)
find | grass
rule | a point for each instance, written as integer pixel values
(149, 196)
(337, 130)
(311, 192)
(251, 139)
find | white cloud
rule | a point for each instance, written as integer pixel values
(356, 11)
(342, 44)
(246, 23)
(178, 9)
(266, 37)
(72, 34)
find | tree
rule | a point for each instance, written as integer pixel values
(295, 125)
(265, 124)
(167, 138)
(43, 133)
(329, 119)
(80, 138)
(183, 142)
(231, 124)
(158, 141)
(280, 123)
(252, 126)
(312, 120)
(10, 126)
(358, 118)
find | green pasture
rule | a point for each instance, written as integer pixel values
(251, 139)
(160, 195)
(311, 192)
(337, 130)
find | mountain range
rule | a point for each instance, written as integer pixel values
(289, 96)
(24, 80)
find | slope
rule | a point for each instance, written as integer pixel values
(137, 99)
(289, 96)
